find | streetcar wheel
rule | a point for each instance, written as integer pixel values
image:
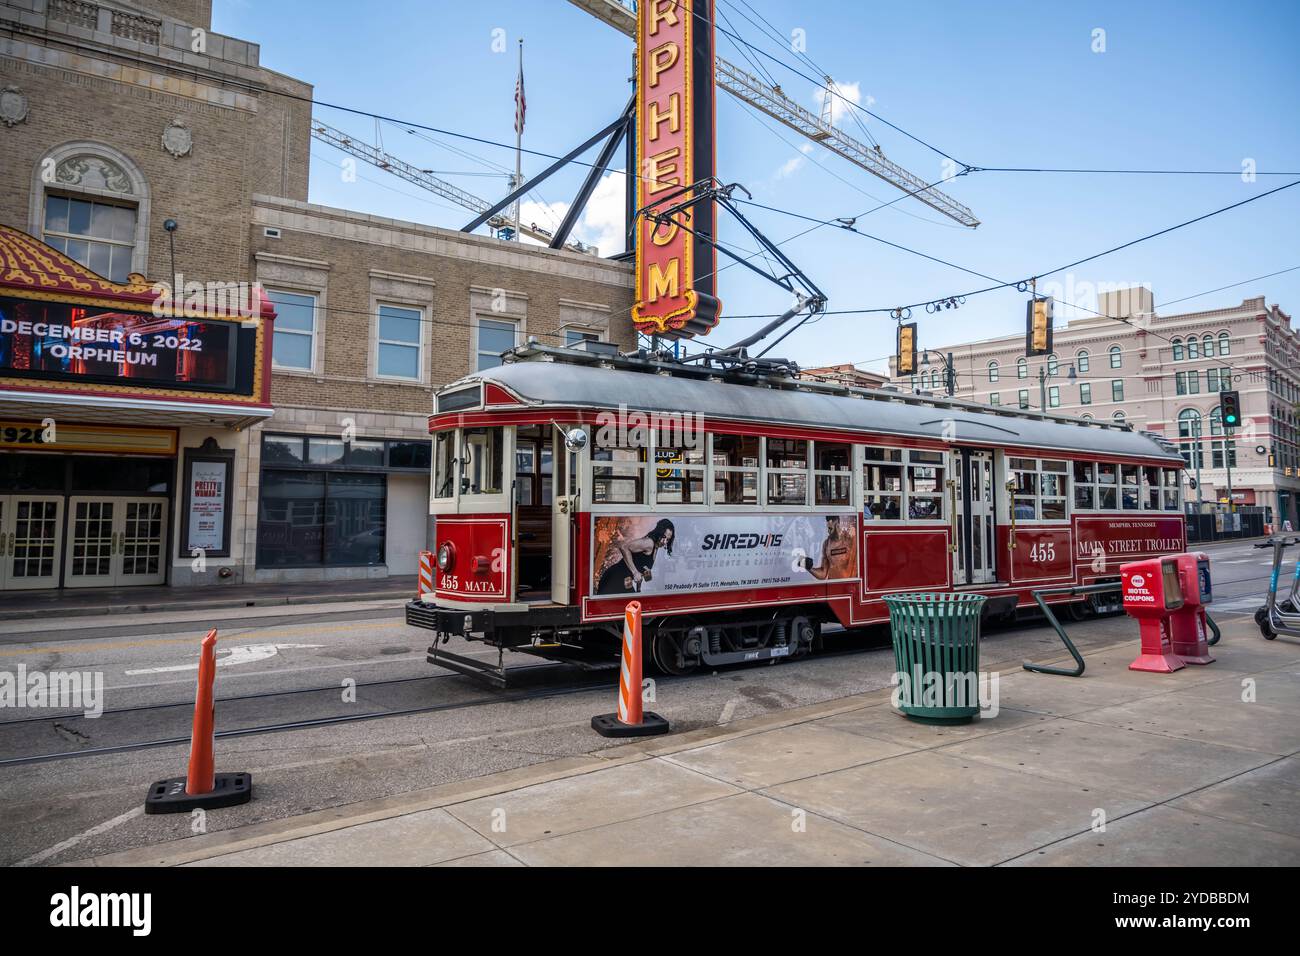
(665, 651)
(1078, 611)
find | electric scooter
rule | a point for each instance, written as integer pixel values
(1276, 618)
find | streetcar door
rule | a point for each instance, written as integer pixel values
(974, 557)
(564, 502)
(980, 502)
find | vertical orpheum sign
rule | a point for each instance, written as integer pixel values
(675, 281)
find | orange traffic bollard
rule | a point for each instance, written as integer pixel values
(630, 720)
(201, 787)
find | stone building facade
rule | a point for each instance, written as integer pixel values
(1162, 372)
(119, 120)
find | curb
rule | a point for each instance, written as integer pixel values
(108, 610)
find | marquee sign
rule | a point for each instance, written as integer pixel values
(675, 266)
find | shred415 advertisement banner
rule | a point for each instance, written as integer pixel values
(662, 555)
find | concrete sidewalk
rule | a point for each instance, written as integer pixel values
(1182, 769)
(97, 602)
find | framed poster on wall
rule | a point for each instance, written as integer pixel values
(205, 507)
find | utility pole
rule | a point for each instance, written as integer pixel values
(1227, 461)
(1042, 388)
(1196, 462)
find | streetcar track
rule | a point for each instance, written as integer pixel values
(80, 715)
(508, 697)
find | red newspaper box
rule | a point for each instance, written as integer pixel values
(1152, 591)
(1187, 627)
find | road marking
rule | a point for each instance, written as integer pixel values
(730, 708)
(53, 646)
(241, 654)
(37, 858)
(277, 671)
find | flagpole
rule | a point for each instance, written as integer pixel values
(519, 137)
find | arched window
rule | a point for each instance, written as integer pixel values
(1022, 368)
(1119, 416)
(1052, 364)
(91, 202)
(1207, 345)
(1193, 347)
(1216, 420)
(1087, 417)
(994, 374)
(1081, 360)
(1189, 437)
(1178, 350)
(1116, 357)
(1225, 346)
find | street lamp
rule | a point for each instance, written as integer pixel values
(1044, 375)
(949, 372)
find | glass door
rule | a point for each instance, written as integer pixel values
(974, 557)
(29, 541)
(115, 541)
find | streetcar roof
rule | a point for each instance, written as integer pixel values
(815, 405)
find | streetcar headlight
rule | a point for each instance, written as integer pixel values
(445, 554)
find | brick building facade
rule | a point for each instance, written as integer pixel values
(118, 117)
(1162, 372)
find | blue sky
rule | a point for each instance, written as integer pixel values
(1180, 85)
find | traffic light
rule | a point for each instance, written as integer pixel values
(1230, 403)
(905, 359)
(1038, 326)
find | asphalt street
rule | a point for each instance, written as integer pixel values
(73, 787)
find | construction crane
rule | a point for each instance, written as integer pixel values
(377, 157)
(621, 14)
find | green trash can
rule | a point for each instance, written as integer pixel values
(937, 653)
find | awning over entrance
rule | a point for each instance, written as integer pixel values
(77, 347)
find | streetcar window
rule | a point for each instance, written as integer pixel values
(833, 472)
(1151, 485)
(444, 464)
(1085, 495)
(882, 484)
(1172, 487)
(735, 469)
(924, 486)
(1130, 487)
(787, 471)
(679, 467)
(618, 475)
(481, 461)
(1040, 489)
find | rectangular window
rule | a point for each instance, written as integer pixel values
(99, 235)
(1117, 390)
(787, 471)
(618, 475)
(1054, 396)
(575, 337)
(1085, 491)
(494, 337)
(295, 330)
(882, 484)
(1024, 398)
(735, 469)
(308, 518)
(832, 472)
(995, 398)
(1130, 487)
(444, 464)
(482, 461)
(398, 346)
(925, 486)
(1180, 383)
(679, 469)
(1085, 393)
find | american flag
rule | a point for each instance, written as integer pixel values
(521, 105)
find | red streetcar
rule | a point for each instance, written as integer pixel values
(745, 509)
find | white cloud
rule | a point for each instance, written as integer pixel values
(790, 166)
(600, 225)
(852, 92)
